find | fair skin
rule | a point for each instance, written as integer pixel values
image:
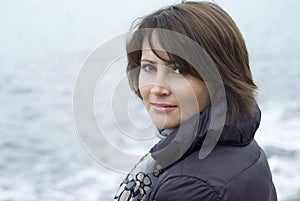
(170, 96)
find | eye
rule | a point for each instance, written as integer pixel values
(149, 68)
(179, 70)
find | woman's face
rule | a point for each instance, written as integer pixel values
(170, 96)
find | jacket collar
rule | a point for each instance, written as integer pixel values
(242, 130)
(235, 132)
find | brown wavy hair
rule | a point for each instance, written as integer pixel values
(214, 30)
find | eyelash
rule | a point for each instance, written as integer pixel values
(144, 67)
(154, 68)
(180, 70)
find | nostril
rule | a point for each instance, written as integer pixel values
(159, 90)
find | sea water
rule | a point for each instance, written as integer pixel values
(43, 47)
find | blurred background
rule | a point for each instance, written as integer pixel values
(43, 45)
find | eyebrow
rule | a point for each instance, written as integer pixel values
(153, 62)
(149, 61)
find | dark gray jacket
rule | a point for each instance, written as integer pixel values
(236, 169)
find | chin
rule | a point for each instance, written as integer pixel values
(165, 124)
(165, 121)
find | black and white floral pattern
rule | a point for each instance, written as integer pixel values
(141, 179)
(136, 185)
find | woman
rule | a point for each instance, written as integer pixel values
(206, 118)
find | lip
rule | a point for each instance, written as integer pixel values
(162, 107)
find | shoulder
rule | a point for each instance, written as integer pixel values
(225, 174)
(184, 187)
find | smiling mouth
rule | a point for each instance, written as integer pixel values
(162, 107)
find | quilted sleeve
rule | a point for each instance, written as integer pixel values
(183, 188)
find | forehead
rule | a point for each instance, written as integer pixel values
(153, 50)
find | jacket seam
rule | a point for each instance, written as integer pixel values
(198, 179)
(241, 172)
(214, 188)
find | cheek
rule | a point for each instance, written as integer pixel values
(193, 97)
(143, 87)
(188, 100)
(202, 96)
(145, 91)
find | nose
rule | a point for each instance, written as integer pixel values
(159, 90)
